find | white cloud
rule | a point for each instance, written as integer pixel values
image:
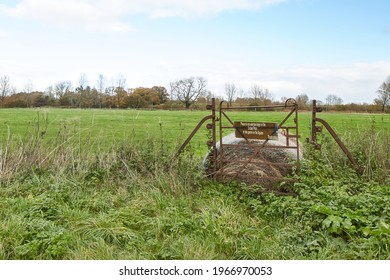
(189, 9)
(107, 15)
(356, 82)
(89, 15)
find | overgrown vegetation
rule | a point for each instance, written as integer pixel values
(63, 199)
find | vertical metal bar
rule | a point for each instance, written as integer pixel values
(297, 133)
(313, 123)
(287, 137)
(214, 137)
(220, 138)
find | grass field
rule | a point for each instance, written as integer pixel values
(108, 127)
(102, 184)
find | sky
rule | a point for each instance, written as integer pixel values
(290, 47)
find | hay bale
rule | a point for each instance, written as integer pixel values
(249, 163)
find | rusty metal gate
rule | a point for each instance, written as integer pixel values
(255, 143)
(255, 138)
(260, 158)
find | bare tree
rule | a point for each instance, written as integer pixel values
(120, 81)
(5, 88)
(383, 94)
(82, 82)
(302, 101)
(62, 88)
(255, 92)
(100, 83)
(188, 90)
(231, 92)
(283, 99)
(267, 96)
(28, 87)
(333, 100)
(260, 94)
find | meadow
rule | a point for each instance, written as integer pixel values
(110, 127)
(103, 184)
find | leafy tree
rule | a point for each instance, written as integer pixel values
(162, 93)
(383, 99)
(17, 100)
(188, 90)
(121, 98)
(149, 95)
(68, 99)
(135, 100)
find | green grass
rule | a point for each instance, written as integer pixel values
(108, 127)
(103, 184)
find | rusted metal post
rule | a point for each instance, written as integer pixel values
(213, 137)
(315, 129)
(195, 130)
(297, 134)
(220, 162)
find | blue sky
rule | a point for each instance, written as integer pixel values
(316, 47)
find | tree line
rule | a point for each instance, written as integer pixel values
(186, 93)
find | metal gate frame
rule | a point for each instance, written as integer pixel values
(216, 156)
(257, 146)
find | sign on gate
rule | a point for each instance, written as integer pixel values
(256, 130)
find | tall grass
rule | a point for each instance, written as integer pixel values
(370, 146)
(64, 198)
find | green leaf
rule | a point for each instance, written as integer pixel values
(322, 209)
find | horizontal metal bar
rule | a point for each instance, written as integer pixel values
(260, 162)
(288, 127)
(265, 147)
(258, 107)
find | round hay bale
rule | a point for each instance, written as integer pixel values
(249, 162)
